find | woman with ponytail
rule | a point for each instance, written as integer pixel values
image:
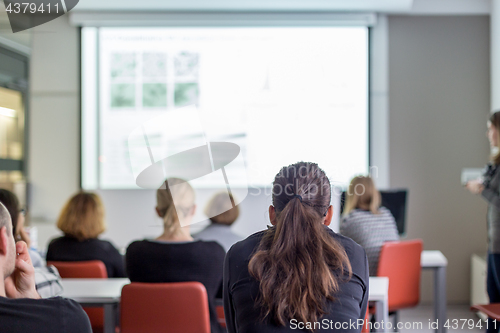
(174, 256)
(297, 275)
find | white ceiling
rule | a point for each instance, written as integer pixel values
(247, 5)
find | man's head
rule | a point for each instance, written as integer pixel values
(7, 243)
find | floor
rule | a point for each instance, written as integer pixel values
(417, 319)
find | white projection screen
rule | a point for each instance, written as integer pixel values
(281, 94)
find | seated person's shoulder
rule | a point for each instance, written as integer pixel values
(57, 240)
(354, 251)
(211, 247)
(384, 211)
(245, 248)
(55, 314)
(137, 245)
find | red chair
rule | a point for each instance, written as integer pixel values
(221, 317)
(180, 307)
(366, 325)
(491, 310)
(81, 270)
(400, 262)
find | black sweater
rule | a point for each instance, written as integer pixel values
(155, 261)
(71, 249)
(241, 290)
(49, 315)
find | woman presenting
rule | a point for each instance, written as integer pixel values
(489, 188)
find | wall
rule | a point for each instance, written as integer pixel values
(439, 102)
(54, 138)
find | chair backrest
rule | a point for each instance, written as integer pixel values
(400, 262)
(177, 307)
(80, 269)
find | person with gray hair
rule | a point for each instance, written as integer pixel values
(21, 308)
(222, 212)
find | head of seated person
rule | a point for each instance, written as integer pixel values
(362, 194)
(175, 204)
(11, 203)
(297, 243)
(82, 217)
(222, 210)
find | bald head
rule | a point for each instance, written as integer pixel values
(5, 219)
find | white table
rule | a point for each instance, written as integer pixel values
(97, 293)
(436, 261)
(378, 292)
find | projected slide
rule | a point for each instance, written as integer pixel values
(280, 94)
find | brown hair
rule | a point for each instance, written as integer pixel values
(298, 263)
(362, 194)
(11, 203)
(495, 121)
(174, 197)
(82, 217)
(220, 203)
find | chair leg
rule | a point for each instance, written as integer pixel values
(395, 321)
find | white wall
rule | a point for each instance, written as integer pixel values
(439, 103)
(54, 164)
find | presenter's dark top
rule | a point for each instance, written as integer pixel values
(160, 261)
(71, 249)
(491, 193)
(241, 290)
(48, 315)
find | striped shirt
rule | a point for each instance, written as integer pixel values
(48, 282)
(370, 231)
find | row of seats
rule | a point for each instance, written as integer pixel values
(144, 307)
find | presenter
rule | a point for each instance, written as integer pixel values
(489, 188)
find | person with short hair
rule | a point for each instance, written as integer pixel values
(365, 221)
(82, 221)
(21, 308)
(223, 212)
(175, 256)
(47, 279)
(298, 273)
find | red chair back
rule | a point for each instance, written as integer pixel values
(180, 307)
(221, 317)
(80, 270)
(400, 262)
(366, 324)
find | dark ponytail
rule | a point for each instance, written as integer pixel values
(495, 121)
(298, 264)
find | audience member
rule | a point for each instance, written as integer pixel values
(47, 279)
(82, 221)
(174, 256)
(365, 221)
(223, 212)
(297, 274)
(21, 308)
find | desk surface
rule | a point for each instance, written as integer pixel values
(94, 290)
(432, 259)
(378, 288)
(109, 290)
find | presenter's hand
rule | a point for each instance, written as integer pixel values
(21, 283)
(475, 186)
